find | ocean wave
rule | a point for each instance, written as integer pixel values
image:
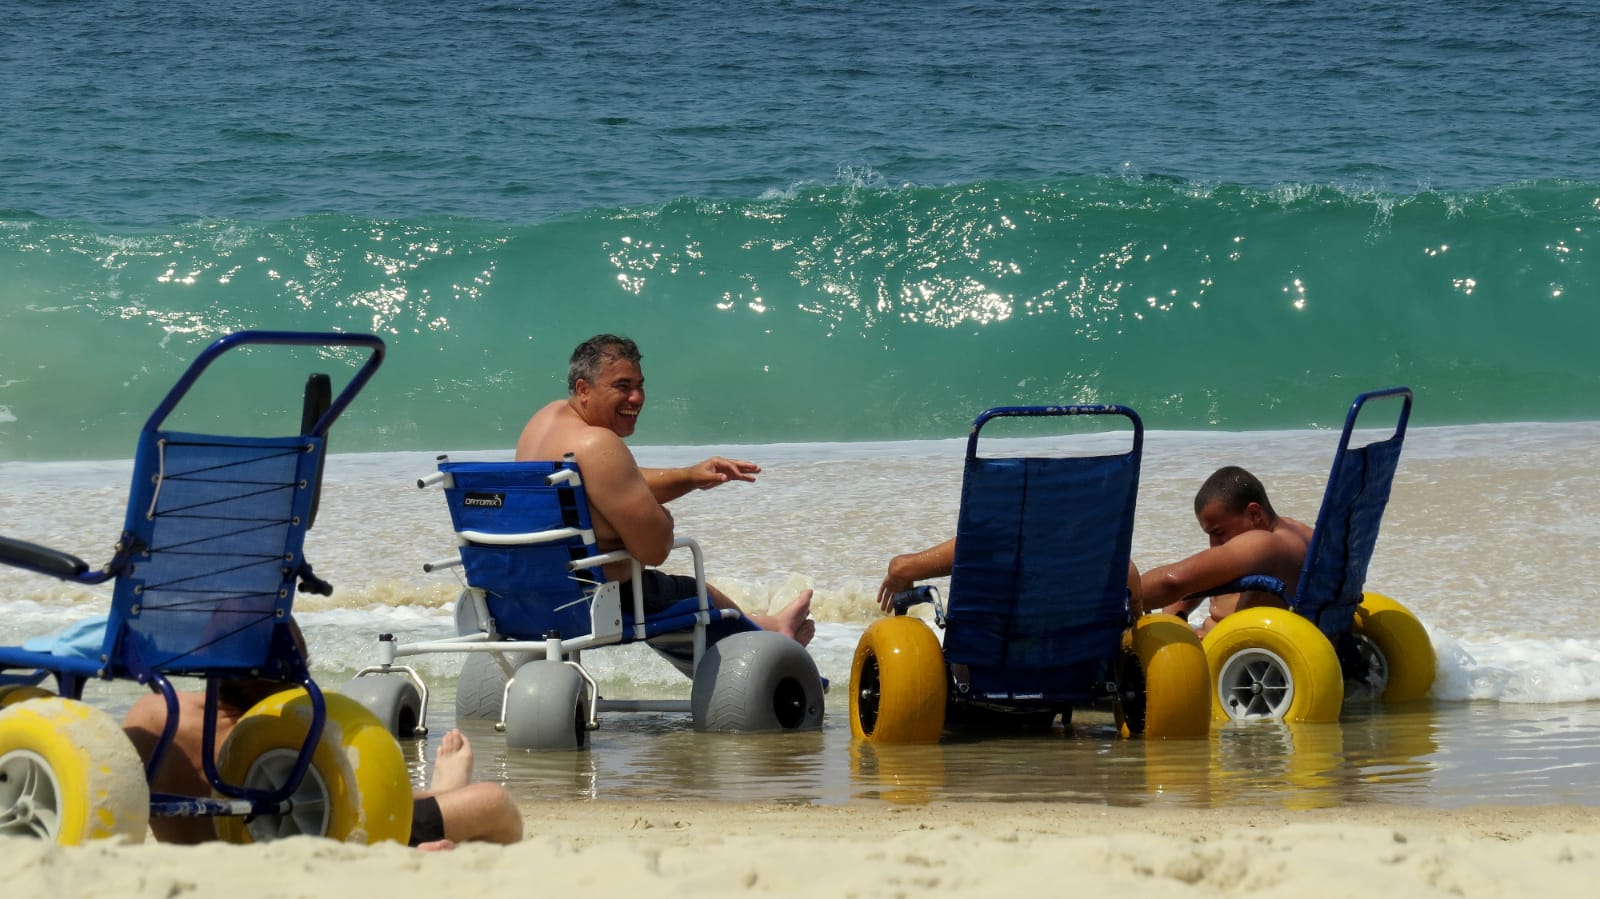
(845, 311)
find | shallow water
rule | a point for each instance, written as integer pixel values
(1428, 754)
(1487, 538)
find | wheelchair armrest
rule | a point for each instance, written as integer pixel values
(1262, 582)
(622, 555)
(42, 559)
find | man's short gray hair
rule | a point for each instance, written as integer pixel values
(591, 356)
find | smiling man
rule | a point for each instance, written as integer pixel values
(1247, 537)
(605, 395)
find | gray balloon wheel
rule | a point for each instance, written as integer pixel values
(756, 681)
(545, 708)
(482, 685)
(467, 622)
(393, 699)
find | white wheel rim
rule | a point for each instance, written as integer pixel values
(1255, 683)
(30, 796)
(309, 807)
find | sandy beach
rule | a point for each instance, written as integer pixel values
(981, 849)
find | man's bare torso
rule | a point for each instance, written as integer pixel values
(1292, 538)
(552, 433)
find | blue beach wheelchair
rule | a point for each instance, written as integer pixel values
(1039, 618)
(205, 574)
(1299, 665)
(536, 600)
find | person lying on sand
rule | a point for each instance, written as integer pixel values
(452, 810)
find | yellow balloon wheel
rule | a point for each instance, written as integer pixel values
(1272, 663)
(1173, 682)
(897, 683)
(69, 774)
(14, 694)
(1407, 653)
(356, 790)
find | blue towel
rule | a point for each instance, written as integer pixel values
(81, 639)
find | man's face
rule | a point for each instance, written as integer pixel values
(616, 398)
(1221, 525)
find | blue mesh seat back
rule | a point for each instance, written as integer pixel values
(1335, 571)
(221, 522)
(1039, 589)
(529, 589)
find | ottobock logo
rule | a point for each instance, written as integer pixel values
(485, 500)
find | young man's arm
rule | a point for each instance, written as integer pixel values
(1248, 553)
(908, 568)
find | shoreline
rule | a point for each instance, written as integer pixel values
(715, 849)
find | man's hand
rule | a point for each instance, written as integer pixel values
(717, 470)
(908, 568)
(890, 586)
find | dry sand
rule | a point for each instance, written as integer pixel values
(972, 849)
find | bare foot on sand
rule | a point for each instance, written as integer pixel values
(793, 620)
(452, 766)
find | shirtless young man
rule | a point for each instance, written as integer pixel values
(605, 394)
(1247, 537)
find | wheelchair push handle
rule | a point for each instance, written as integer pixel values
(371, 343)
(903, 601)
(1359, 404)
(989, 415)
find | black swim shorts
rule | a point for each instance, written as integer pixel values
(427, 822)
(660, 590)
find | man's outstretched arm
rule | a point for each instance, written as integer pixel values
(667, 484)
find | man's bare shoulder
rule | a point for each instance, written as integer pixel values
(1298, 530)
(556, 430)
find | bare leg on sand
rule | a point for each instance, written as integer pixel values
(471, 811)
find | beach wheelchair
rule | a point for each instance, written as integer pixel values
(205, 575)
(1335, 640)
(1039, 617)
(536, 600)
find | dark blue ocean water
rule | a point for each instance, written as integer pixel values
(825, 221)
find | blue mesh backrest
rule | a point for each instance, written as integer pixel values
(222, 521)
(1042, 549)
(1335, 571)
(529, 589)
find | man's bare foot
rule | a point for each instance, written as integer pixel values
(793, 620)
(436, 846)
(452, 766)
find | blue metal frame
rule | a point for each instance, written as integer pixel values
(1034, 624)
(1357, 491)
(128, 642)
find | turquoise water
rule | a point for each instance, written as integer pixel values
(822, 221)
(845, 312)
